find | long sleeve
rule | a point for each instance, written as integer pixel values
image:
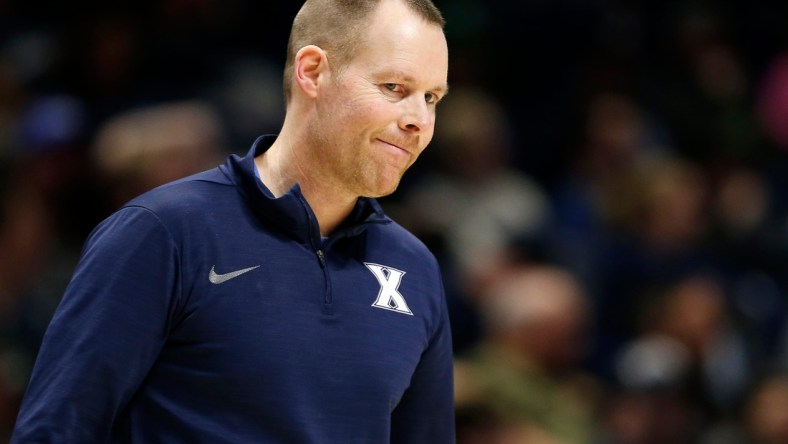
(425, 414)
(106, 333)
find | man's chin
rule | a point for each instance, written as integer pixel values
(382, 190)
(384, 183)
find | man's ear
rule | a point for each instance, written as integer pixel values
(310, 62)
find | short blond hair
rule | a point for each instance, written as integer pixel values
(338, 27)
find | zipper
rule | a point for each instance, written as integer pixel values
(320, 248)
(327, 298)
(321, 257)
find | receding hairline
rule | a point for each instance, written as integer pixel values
(338, 26)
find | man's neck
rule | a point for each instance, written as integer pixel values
(283, 165)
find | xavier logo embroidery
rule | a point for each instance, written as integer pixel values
(389, 298)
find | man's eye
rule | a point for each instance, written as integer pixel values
(391, 86)
(430, 98)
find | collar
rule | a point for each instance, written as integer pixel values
(291, 212)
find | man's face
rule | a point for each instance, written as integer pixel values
(378, 114)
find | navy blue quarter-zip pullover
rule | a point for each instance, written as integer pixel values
(207, 311)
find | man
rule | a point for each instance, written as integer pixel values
(526, 373)
(270, 300)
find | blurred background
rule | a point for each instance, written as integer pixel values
(606, 193)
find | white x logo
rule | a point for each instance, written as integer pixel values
(389, 298)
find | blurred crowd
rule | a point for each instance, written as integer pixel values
(606, 193)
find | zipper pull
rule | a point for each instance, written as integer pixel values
(321, 257)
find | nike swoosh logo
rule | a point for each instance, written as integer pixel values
(216, 278)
